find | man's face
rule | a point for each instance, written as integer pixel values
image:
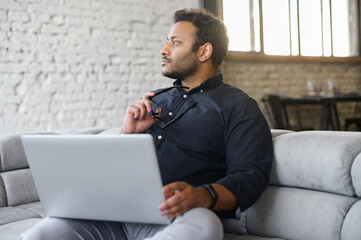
(178, 59)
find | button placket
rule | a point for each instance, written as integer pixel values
(159, 137)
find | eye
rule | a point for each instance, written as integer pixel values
(176, 42)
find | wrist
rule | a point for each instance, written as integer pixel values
(212, 193)
(207, 199)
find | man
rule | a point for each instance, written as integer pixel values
(213, 144)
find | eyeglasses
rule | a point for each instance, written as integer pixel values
(157, 110)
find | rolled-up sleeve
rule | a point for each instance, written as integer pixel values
(249, 153)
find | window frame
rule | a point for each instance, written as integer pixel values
(216, 7)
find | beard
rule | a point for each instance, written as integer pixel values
(182, 67)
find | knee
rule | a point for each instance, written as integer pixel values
(209, 224)
(49, 229)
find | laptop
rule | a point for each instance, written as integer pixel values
(97, 177)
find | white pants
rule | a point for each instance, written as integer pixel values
(197, 224)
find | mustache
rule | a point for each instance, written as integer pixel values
(165, 58)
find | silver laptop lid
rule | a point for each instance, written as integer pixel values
(98, 177)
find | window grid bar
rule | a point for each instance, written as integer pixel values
(289, 26)
(298, 28)
(261, 27)
(331, 28)
(251, 22)
(359, 25)
(322, 30)
(219, 8)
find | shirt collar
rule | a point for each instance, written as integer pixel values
(208, 84)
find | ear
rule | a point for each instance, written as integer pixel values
(205, 52)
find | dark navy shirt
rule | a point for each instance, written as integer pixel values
(214, 133)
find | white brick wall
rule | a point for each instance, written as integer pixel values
(79, 63)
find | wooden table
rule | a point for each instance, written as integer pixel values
(329, 114)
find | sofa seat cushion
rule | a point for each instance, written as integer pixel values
(351, 227)
(13, 214)
(12, 231)
(293, 213)
(33, 207)
(317, 160)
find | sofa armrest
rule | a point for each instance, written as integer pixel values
(278, 132)
(12, 155)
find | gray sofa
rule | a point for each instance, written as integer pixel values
(314, 191)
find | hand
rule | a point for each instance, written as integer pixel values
(136, 119)
(181, 197)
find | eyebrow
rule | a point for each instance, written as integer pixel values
(173, 37)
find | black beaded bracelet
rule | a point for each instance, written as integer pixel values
(213, 194)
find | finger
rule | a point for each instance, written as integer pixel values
(147, 101)
(148, 94)
(176, 203)
(142, 110)
(134, 110)
(175, 199)
(179, 206)
(168, 194)
(171, 215)
(178, 209)
(180, 186)
(170, 189)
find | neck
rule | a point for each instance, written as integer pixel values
(198, 77)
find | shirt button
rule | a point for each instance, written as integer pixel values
(170, 113)
(201, 90)
(160, 137)
(184, 96)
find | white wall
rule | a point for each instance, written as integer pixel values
(79, 63)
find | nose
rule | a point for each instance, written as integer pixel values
(165, 51)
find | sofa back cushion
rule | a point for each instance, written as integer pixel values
(20, 187)
(318, 160)
(315, 188)
(293, 213)
(356, 175)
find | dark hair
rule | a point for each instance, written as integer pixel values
(209, 29)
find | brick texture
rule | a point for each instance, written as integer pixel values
(79, 63)
(290, 79)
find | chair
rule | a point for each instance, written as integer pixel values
(355, 119)
(274, 103)
(279, 113)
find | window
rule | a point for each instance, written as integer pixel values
(294, 27)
